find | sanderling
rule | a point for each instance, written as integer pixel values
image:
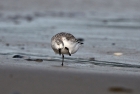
(65, 43)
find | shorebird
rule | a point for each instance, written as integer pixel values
(65, 43)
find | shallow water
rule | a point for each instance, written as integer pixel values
(103, 37)
(108, 61)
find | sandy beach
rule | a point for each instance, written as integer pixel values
(107, 63)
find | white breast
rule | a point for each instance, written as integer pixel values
(73, 46)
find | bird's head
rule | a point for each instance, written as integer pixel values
(59, 44)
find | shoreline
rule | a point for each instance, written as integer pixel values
(110, 30)
(55, 79)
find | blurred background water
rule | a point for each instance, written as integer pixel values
(109, 28)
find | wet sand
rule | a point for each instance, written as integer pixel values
(19, 76)
(108, 63)
(34, 80)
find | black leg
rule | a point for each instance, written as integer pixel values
(68, 50)
(59, 51)
(62, 59)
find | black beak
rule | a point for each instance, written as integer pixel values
(59, 51)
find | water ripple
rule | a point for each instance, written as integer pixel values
(32, 57)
